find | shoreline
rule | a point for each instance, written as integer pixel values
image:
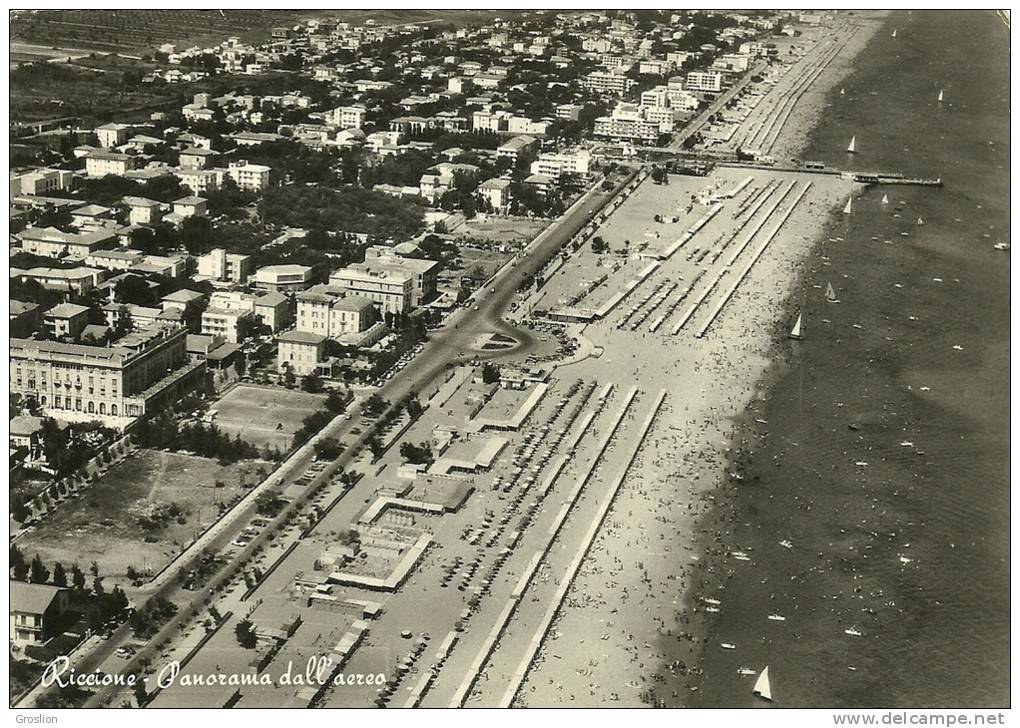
(795, 137)
(676, 486)
(829, 470)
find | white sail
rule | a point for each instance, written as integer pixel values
(842, 92)
(885, 199)
(849, 206)
(920, 221)
(762, 686)
(894, 34)
(795, 331)
(852, 148)
(941, 96)
(830, 294)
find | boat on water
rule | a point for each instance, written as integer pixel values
(849, 206)
(709, 600)
(852, 147)
(777, 617)
(852, 631)
(727, 646)
(920, 221)
(763, 686)
(842, 92)
(830, 293)
(745, 671)
(941, 95)
(894, 33)
(786, 543)
(795, 332)
(1001, 246)
(885, 199)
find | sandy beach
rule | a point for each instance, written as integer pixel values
(645, 588)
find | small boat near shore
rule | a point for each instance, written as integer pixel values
(763, 685)
(795, 332)
(777, 617)
(852, 631)
(727, 646)
(849, 207)
(852, 147)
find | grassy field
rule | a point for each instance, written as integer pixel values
(502, 229)
(105, 523)
(264, 416)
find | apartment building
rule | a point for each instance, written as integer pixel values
(627, 123)
(553, 164)
(221, 265)
(329, 310)
(40, 182)
(390, 290)
(254, 177)
(704, 81)
(347, 117)
(230, 324)
(424, 273)
(144, 371)
(301, 351)
(289, 277)
(53, 243)
(100, 163)
(607, 84)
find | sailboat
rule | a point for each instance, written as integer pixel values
(894, 34)
(852, 148)
(920, 221)
(849, 206)
(885, 199)
(941, 95)
(762, 686)
(842, 92)
(795, 333)
(830, 294)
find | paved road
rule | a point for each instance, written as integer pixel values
(724, 98)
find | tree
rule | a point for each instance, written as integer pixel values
(414, 408)
(375, 446)
(375, 405)
(19, 511)
(245, 632)
(328, 448)
(490, 373)
(599, 246)
(311, 383)
(59, 575)
(288, 375)
(268, 504)
(335, 402)
(18, 563)
(38, 574)
(416, 454)
(77, 577)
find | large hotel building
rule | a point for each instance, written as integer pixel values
(143, 372)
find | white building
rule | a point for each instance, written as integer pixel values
(254, 177)
(704, 81)
(553, 164)
(220, 265)
(347, 117)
